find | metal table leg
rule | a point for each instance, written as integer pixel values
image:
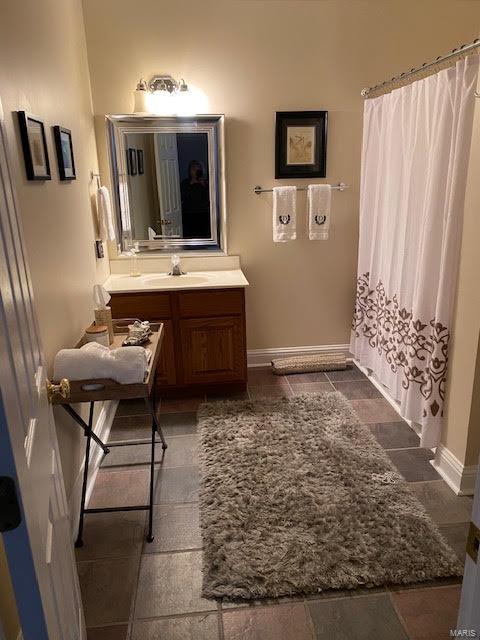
(88, 434)
(73, 414)
(150, 403)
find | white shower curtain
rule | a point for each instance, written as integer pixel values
(415, 154)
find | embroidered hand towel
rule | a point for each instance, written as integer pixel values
(319, 198)
(284, 214)
(105, 214)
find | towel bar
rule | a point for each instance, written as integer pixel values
(341, 186)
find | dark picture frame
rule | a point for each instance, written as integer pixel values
(131, 161)
(301, 144)
(140, 165)
(34, 146)
(64, 149)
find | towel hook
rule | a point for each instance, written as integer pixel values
(94, 175)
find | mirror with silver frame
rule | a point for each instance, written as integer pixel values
(168, 181)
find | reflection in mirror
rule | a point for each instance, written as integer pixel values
(168, 188)
(169, 181)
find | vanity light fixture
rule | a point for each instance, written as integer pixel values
(164, 95)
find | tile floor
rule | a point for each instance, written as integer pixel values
(138, 591)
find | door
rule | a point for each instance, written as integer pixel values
(39, 550)
(212, 350)
(168, 184)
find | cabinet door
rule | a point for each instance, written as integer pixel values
(213, 350)
(166, 365)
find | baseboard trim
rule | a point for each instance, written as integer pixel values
(102, 430)
(460, 478)
(263, 357)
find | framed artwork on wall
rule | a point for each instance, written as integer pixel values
(140, 165)
(132, 161)
(34, 145)
(64, 148)
(301, 144)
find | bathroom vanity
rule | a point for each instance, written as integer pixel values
(168, 186)
(203, 314)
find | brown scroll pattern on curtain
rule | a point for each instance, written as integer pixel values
(416, 349)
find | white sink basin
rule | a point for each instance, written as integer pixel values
(174, 281)
(123, 283)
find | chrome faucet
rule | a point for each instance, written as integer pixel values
(175, 267)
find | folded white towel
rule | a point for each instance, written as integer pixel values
(284, 214)
(319, 198)
(105, 214)
(126, 365)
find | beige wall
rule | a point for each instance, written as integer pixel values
(44, 70)
(251, 59)
(461, 434)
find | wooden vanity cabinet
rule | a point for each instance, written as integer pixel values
(204, 344)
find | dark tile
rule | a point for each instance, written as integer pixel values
(176, 527)
(131, 407)
(414, 464)
(107, 589)
(311, 387)
(395, 435)
(361, 618)
(374, 410)
(357, 389)
(442, 504)
(180, 484)
(170, 584)
(278, 391)
(302, 378)
(281, 622)
(204, 627)
(134, 427)
(181, 452)
(178, 424)
(114, 632)
(260, 377)
(456, 536)
(120, 488)
(180, 405)
(112, 535)
(428, 614)
(117, 632)
(350, 373)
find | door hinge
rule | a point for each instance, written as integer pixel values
(473, 541)
(10, 514)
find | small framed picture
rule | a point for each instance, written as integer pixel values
(64, 148)
(301, 144)
(140, 167)
(34, 145)
(131, 161)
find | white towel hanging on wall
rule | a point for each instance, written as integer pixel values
(284, 214)
(319, 197)
(105, 214)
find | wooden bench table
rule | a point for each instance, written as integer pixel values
(101, 389)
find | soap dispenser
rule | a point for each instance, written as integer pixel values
(134, 272)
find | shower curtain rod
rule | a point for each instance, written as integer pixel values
(426, 65)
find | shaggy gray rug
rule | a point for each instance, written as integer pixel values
(297, 497)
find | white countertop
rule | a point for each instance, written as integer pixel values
(221, 279)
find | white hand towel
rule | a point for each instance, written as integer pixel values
(284, 214)
(105, 214)
(319, 198)
(126, 365)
